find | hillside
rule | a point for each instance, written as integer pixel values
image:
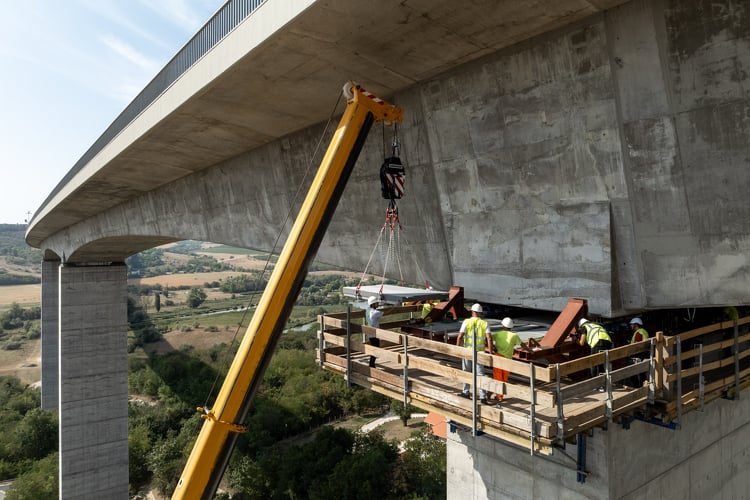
(171, 271)
(19, 263)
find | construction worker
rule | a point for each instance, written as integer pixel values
(596, 337)
(505, 342)
(373, 319)
(474, 333)
(639, 333)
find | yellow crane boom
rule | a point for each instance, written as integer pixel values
(217, 437)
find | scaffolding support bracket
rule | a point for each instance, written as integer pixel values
(581, 472)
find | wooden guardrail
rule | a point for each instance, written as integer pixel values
(543, 405)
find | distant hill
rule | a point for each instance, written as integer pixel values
(19, 263)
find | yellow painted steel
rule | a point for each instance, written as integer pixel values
(199, 476)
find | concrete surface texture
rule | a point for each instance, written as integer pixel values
(603, 159)
(706, 458)
(93, 392)
(50, 340)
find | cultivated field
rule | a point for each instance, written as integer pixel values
(21, 294)
(183, 279)
(24, 363)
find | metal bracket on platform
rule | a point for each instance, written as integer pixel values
(321, 342)
(654, 421)
(581, 472)
(348, 377)
(736, 361)
(652, 372)
(532, 407)
(608, 404)
(701, 379)
(560, 409)
(406, 371)
(678, 349)
(451, 426)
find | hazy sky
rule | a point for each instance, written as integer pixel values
(67, 69)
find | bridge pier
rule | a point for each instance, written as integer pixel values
(93, 380)
(50, 334)
(707, 457)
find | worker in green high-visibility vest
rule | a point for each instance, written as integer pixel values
(596, 337)
(505, 341)
(475, 333)
(639, 333)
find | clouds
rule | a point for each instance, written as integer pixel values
(142, 68)
(187, 15)
(70, 68)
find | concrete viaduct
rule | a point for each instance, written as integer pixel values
(554, 149)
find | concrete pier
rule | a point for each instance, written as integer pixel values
(93, 382)
(50, 334)
(706, 457)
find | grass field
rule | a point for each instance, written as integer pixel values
(24, 295)
(24, 363)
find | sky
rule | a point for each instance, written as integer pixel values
(68, 68)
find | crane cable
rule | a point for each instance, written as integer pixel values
(259, 281)
(392, 186)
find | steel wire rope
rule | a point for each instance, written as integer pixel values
(372, 254)
(386, 259)
(420, 273)
(274, 247)
(398, 254)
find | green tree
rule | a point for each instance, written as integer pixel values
(167, 458)
(37, 434)
(248, 478)
(403, 411)
(364, 474)
(39, 483)
(139, 445)
(196, 297)
(422, 469)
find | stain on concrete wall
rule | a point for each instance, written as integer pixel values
(526, 154)
(686, 164)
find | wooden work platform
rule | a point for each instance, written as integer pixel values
(543, 406)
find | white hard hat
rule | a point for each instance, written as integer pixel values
(636, 321)
(477, 308)
(507, 323)
(371, 300)
(582, 321)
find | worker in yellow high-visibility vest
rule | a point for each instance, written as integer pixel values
(505, 342)
(639, 333)
(474, 331)
(596, 337)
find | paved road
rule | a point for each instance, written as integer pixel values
(4, 485)
(387, 418)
